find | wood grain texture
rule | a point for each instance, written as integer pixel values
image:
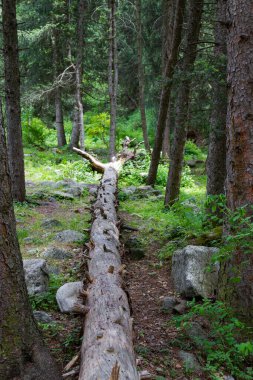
(107, 338)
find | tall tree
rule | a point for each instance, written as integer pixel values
(61, 138)
(113, 74)
(78, 126)
(22, 351)
(141, 77)
(166, 90)
(12, 92)
(240, 141)
(216, 160)
(180, 133)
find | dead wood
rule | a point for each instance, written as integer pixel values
(107, 337)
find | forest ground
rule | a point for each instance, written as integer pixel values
(157, 340)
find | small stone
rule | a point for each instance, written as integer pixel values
(189, 360)
(169, 303)
(57, 253)
(181, 307)
(145, 375)
(42, 317)
(49, 223)
(67, 296)
(76, 191)
(36, 276)
(28, 239)
(228, 377)
(197, 334)
(69, 236)
(129, 190)
(191, 163)
(33, 251)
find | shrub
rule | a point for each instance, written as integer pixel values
(34, 131)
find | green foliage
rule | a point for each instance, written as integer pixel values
(223, 348)
(192, 151)
(98, 127)
(47, 300)
(34, 130)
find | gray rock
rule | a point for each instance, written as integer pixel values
(62, 195)
(189, 360)
(69, 236)
(197, 334)
(57, 253)
(29, 184)
(169, 303)
(228, 377)
(53, 269)
(181, 307)
(190, 274)
(47, 184)
(28, 239)
(76, 191)
(129, 190)
(67, 296)
(36, 276)
(49, 223)
(42, 317)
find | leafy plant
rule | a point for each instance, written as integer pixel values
(223, 349)
(47, 300)
(34, 130)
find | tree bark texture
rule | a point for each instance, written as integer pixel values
(112, 75)
(12, 93)
(239, 181)
(59, 123)
(166, 91)
(22, 351)
(141, 76)
(78, 125)
(107, 339)
(216, 160)
(180, 133)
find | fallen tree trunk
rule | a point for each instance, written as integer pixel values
(107, 349)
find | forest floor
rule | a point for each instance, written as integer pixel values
(148, 282)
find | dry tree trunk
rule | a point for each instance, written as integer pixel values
(107, 349)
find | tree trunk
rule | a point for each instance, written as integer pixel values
(59, 123)
(141, 76)
(180, 133)
(166, 91)
(78, 125)
(113, 75)
(239, 146)
(107, 339)
(216, 160)
(12, 93)
(23, 354)
(166, 135)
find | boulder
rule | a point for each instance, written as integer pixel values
(76, 191)
(69, 236)
(196, 334)
(67, 296)
(42, 317)
(36, 276)
(57, 253)
(190, 272)
(49, 223)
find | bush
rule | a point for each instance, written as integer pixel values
(34, 131)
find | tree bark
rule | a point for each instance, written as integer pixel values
(12, 93)
(216, 160)
(78, 126)
(141, 76)
(166, 136)
(180, 133)
(107, 339)
(166, 91)
(112, 75)
(239, 146)
(59, 123)
(22, 351)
